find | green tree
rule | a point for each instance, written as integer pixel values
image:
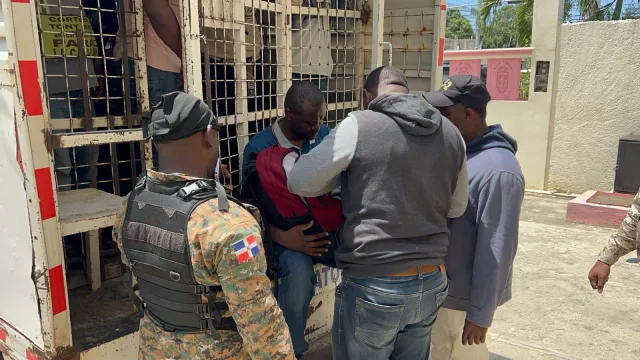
(568, 6)
(502, 30)
(523, 17)
(589, 9)
(632, 12)
(458, 26)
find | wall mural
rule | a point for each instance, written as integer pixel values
(503, 79)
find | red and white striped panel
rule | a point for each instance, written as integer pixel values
(32, 99)
(441, 33)
(15, 345)
(438, 56)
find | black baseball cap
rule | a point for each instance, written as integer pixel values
(467, 90)
(178, 115)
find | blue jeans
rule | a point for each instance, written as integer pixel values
(296, 287)
(386, 317)
(160, 83)
(320, 80)
(65, 107)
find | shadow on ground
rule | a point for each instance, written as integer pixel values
(325, 354)
(493, 356)
(554, 313)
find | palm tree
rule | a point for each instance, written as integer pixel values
(592, 10)
(524, 17)
(589, 10)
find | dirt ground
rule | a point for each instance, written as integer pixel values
(554, 313)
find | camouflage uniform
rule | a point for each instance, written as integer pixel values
(246, 290)
(626, 239)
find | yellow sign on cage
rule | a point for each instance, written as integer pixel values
(53, 41)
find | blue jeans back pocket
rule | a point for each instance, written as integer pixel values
(431, 304)
(441, 296)
(377, 325)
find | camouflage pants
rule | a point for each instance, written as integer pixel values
(157, 344)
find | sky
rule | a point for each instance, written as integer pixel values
(467, 8)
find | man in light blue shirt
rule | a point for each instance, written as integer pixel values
(301, 129)
(484, 240)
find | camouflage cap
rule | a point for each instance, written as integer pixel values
(178, 115)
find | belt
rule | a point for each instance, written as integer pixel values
(420, 269)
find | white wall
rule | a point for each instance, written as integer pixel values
(527, 122)
(18, 297)
(530, 122)
(598, 102)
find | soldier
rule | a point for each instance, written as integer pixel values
(197, 255)
(624, 241)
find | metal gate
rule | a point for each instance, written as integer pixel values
(85, 79)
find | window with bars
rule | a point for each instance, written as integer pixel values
(101, 74)
(411, 33)
(249, 54)
(253, 50)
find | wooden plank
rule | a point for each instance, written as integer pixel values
(222, 24)
(87, 209)
(192, 71)
(343, 105)
(377, 33)
(70, 140)
(306, 10)
(98, 122)
(92, 254)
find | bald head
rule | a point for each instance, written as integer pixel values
(384, 80)
(301, 92)
(305, 107)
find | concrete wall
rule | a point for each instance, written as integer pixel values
(530, 122)
(527, 122)
(598, 101)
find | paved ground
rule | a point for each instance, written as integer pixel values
(554, 313)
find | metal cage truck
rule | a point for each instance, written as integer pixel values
(75, 80)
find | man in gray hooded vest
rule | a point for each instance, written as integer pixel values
(401, 167)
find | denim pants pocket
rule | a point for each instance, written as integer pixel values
(432, 302)
(157, 87)
(338, 340)
(377, 325)
(337, 311)
(441, 296)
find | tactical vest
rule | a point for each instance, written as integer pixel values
(154, 238)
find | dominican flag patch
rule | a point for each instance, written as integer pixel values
(246, 248)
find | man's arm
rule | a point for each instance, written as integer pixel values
(116, 231)
(217, 244)
(318, 172)
(164, 23)
(248, 292)
(623, 241)
(460, 196)
(497, 223)
(248, 149)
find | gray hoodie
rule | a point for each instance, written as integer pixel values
(484, 240)
(398, 164)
